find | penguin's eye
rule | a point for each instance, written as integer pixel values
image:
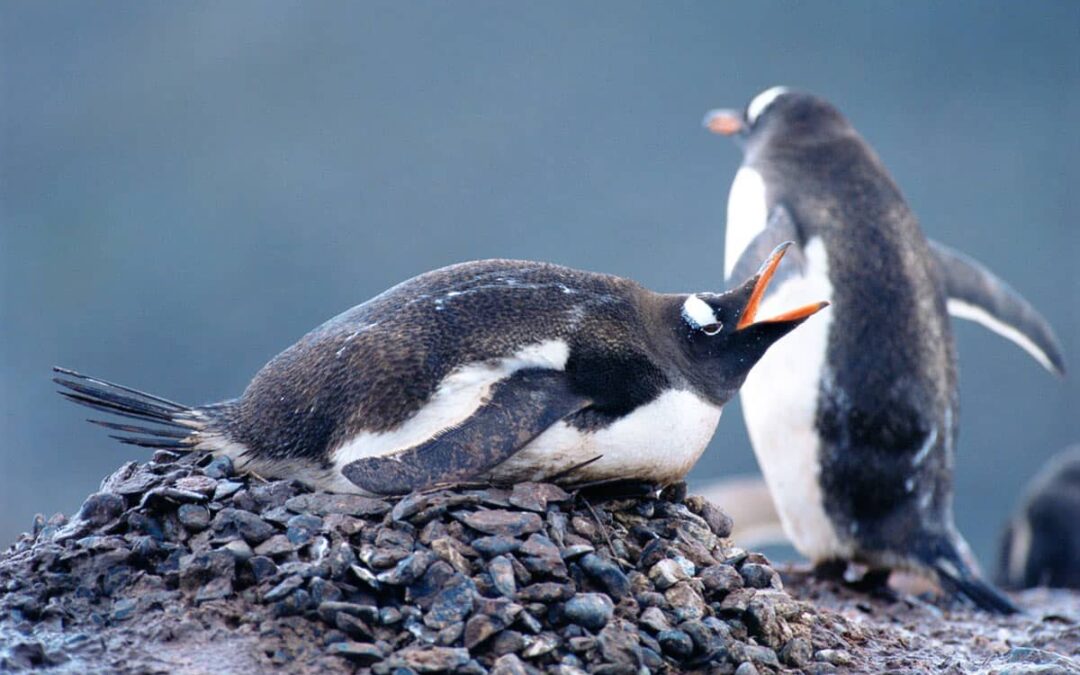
(712, 328)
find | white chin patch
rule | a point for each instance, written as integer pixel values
(761, 103)
(697, 312)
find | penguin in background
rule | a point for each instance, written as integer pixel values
(857, 447)
(496, 370)
(1041, 544)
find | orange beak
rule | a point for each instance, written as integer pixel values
(724, 122)
(764, 276)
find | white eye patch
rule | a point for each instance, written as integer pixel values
(697, 312)
(761, 102)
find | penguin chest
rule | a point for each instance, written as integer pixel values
(659, 441)
(779, 402)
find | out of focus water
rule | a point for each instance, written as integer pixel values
(187, 188)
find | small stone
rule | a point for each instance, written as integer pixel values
(193, 517)
(453, 603)
(408, 570)
(433, 659)
(721, 579)
(620, 646)
(323, 591)
(123, 609)
(284, 588)
(479, 628)
(423, 591)
(540, 546)
(507, 642)
(500, 522)
(576, 551)
(493, 546)
(449, 549)
(239, 549)
(547, 591)
(203, 485)
(219, 468)
(101, 508)
(797, 653)
(760, 576)
(737, 601)
(685, 601)
(608, 574)
(654, 619)
(363, 653)
(719, 522)
(236, 523)
(544, 643)
(836, 657)
(535, 496)
(502, 576)
(762, 656)
(330, 609)
(667, 573)
(199, 569)
(591, 610)
(676, 644)
(274, 547)
(352, 626)
(508, 664)
(302, 528)
(323, 503)
(746, 668)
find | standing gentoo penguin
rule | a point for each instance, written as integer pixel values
(857, 446)
(1041, 546)
(499, 369)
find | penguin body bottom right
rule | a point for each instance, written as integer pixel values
(857, 445)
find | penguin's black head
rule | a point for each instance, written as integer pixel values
(777, 112)
(722, 337)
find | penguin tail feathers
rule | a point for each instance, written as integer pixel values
(177, 426)
(949, 559)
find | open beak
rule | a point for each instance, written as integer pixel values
(724, 122)
(761, 283)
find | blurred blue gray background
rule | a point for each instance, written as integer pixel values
(189, 187)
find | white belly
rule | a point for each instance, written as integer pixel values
(779, 401)
(659, 441)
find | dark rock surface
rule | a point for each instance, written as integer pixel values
(178, 565)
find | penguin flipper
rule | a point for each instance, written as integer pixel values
(781, 227)
(518, 410)
(976, 294)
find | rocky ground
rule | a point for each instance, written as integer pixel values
(177, 565)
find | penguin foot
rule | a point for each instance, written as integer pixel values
(874, 582)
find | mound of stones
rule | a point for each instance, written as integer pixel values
(181, 551)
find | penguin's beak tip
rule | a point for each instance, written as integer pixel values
(724, 122)
(761, 284)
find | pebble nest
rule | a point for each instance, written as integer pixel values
(180, 565)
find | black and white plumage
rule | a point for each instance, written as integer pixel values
(857, 447)
(1041, 546)
(499, 369)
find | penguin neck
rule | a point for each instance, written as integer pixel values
(662, 317)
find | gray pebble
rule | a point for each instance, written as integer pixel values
(231, 522)
(591, 610)
(676, 644)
